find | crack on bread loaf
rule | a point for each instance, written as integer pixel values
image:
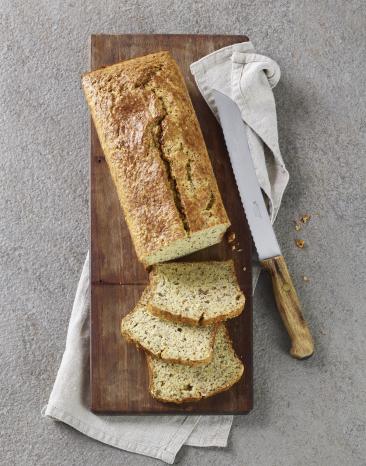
(148, 76)
(145, 84)
(211, 201)
(172, 180)
(189, 171)
(174, 186)
(158, 133)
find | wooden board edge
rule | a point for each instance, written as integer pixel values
(243, 37)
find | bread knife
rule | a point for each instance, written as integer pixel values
(269, 252)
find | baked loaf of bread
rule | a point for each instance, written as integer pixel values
(157, 157)
(169, 341)
(197, 293)
(176, 383)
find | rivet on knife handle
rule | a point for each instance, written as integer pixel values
(288, 304)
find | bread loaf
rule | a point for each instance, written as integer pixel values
(157, 157)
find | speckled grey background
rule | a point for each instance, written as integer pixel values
(306, 413)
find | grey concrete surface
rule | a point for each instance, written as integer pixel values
(306, 413)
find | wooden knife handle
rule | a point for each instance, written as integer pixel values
(288, 305)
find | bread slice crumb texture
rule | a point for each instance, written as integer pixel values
(176, 383)
(170, 341)
(197, 293)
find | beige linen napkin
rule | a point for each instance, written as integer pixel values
(247, 78)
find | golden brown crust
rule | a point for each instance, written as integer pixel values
(155, 150)
(184, 362)
(192, 399)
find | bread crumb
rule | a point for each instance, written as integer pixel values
(300, 243)
(305, 278)
(297, 226)
(231, 238)
(244, 268)
(305, 218)
(233, 247)
(240, 250)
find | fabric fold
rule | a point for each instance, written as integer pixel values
(252, 77)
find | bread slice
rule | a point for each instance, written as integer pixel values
(197, 293)
(170, 341)
(175, 383)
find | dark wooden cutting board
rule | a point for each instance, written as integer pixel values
(119, 378)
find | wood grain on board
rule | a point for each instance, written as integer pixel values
(119, 378)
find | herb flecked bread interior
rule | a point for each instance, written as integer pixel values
(169, 341)
(177, 383)
(197, 293)
(157, 157)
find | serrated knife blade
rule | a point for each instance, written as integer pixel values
(269, 252)
(235, 134)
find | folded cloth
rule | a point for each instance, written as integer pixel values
(247, 78)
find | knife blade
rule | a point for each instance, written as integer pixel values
(235, 134)
(269, 252)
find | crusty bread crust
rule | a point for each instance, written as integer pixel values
(193, 399)
(168, 315)
(155, 151)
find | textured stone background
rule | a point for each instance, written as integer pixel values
(306, 413)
